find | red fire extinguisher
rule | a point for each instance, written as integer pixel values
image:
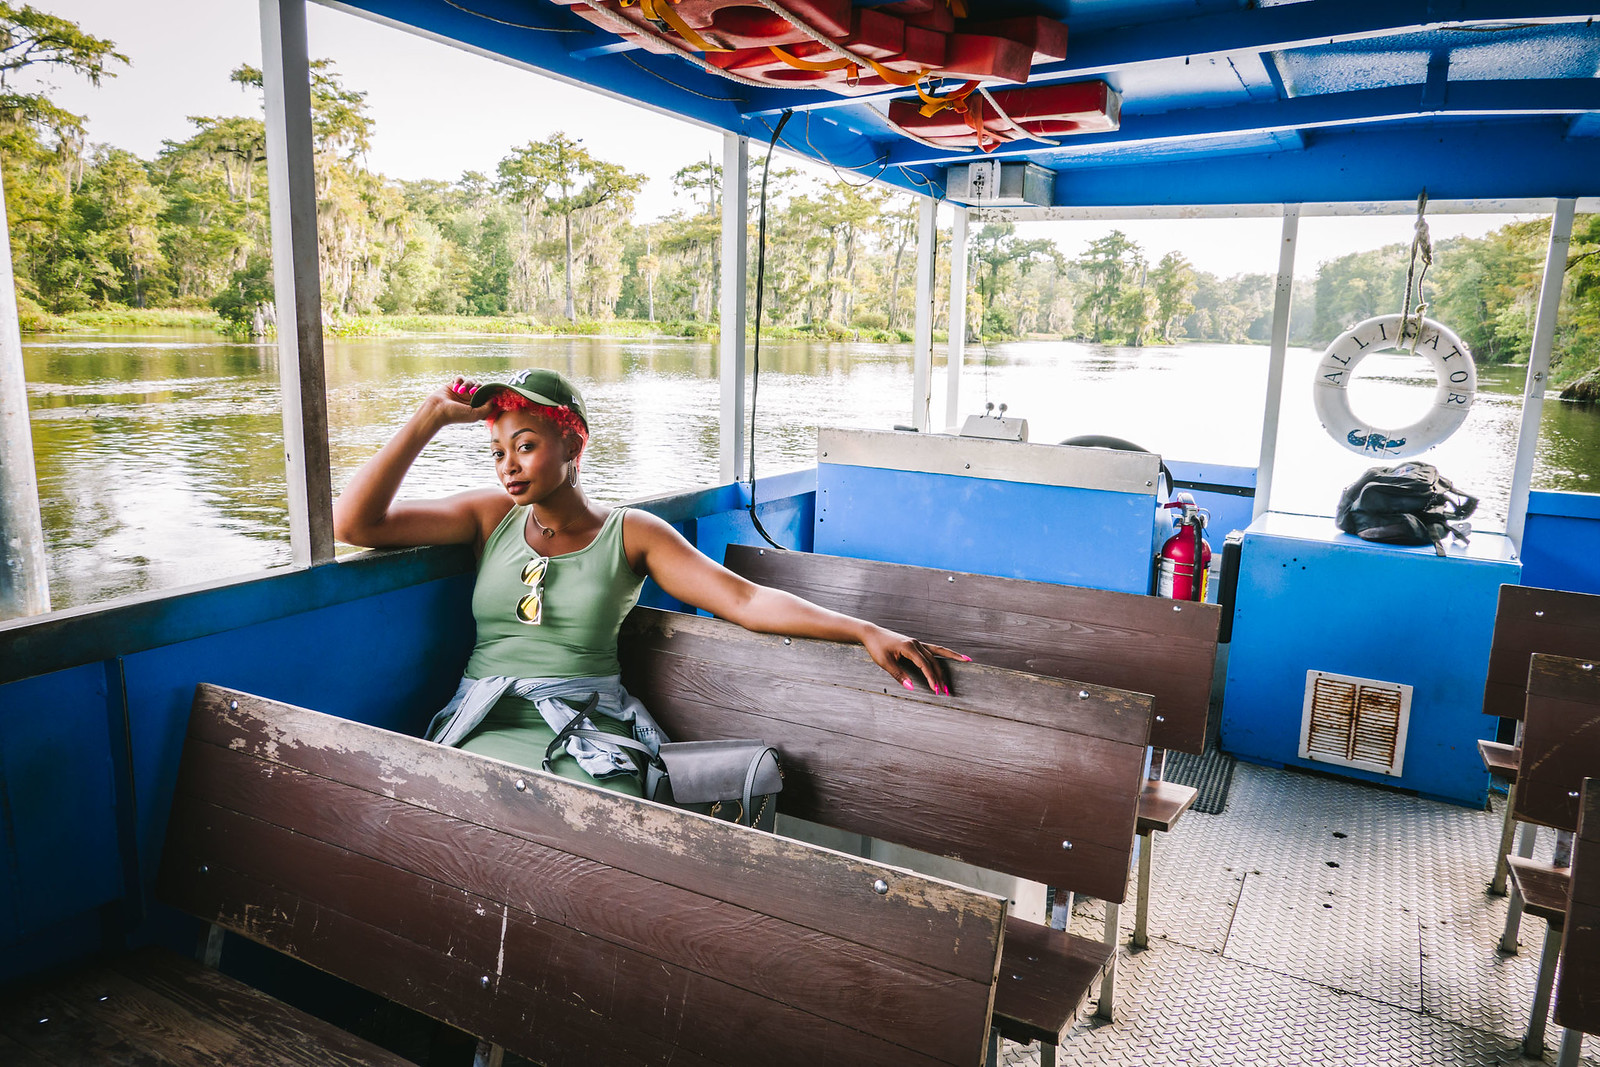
(1176, 570)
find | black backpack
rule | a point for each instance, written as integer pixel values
(1410, 504)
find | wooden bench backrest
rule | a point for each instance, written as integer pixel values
(564, 922)
(1578, 988)
(1529, 620)
(1140, 643)
(1022, 774)
(1560, 739)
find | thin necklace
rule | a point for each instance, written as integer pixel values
(547, 531)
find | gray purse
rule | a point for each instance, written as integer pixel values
(732, 780)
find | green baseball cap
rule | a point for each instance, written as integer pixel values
(540, 386)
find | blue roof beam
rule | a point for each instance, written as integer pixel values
(1308, 24)
(1526, 161)
(1479, 99)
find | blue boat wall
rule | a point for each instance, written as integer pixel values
(1052, 513)
(94, 704)
(94, 701)
(1561, 542)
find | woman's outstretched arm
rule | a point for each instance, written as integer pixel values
(367, 514)
(684, 572)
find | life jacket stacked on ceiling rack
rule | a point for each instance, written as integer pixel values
(966, 119)
(934, 42)
(890, 45)
(720, 26)
(927, 44)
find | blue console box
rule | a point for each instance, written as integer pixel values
(1047, 513)
(1312, 598)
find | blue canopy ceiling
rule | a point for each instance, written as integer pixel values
(1223, 102)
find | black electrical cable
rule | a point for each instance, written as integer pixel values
(755, 354)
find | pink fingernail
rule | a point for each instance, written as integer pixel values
(907, 683)
(965, 659)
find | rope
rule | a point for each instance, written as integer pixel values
(908, 135)
(1421, 243)
(659, 11)
(678, 85)
(904, 79)
(513, 25)
(755, 353)
(883, 160)
(621, 25)
(1014, 124)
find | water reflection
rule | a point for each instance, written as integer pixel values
(160, 453)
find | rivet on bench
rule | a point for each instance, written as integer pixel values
(44, 1020)
(233, 705)
(1177, 607)
(788, 640)
(104, 997)
(1588, 666)
(880, 887)
(1538, 614)
(1083, 694)
(951, 578)
(484, 981)
(1161, 718)
(521, 785)
(1067, 845)
(204, 869)
(1573, 793)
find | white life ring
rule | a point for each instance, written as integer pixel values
(1452, 362)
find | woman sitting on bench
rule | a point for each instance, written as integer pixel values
(557, 574)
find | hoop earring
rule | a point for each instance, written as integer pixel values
(573, 481)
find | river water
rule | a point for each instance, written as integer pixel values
(159, 453)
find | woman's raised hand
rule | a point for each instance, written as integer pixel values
(453, 403)
(903, 657)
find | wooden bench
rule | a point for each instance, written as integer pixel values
(1144, 644)
(1560, 745)
(1527, 620)
(1578, 989)
(562, 922)
(1034, 777)
(154, 1007)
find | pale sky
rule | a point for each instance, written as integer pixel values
(440, 111)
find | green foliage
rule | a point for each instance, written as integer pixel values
(248, 290)
(32, 38)
(548, 244)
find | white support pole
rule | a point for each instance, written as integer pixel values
(958, 320)
(292, 196)
(1271, 410)
(735, 241)
(1544, 335)
(922, 361)
(24, 578)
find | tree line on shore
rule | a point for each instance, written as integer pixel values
(552, 235)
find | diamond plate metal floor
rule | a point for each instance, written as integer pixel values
(1318, 921)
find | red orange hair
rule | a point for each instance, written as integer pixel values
(562, 418)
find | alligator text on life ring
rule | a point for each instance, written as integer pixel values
(1452, 362)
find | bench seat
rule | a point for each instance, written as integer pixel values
(1161, 803)
(1045, 977)
(1544, 888)
(1500, 760)
(154, 1008)
(1527, 621)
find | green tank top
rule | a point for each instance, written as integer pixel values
(587, 594)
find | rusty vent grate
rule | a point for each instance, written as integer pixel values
(1355, 722)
